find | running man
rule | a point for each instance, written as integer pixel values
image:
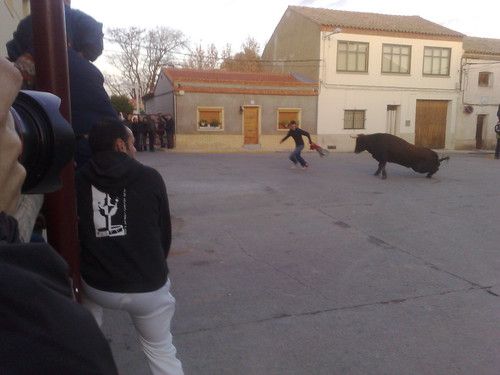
(297, 134)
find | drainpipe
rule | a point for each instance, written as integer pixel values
(51, 59)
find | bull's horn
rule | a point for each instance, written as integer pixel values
(355, 137)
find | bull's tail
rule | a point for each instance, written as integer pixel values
(447, 158)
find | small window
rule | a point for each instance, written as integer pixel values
(396, 58)
(285, 116)
(437, 61)
(352, 57)
(210, 118)
(354, 119)
(484, 79)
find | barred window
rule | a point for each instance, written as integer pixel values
(354, 119)
(396, 58)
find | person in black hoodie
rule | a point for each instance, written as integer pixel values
(125, 236)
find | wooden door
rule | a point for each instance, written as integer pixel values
(251, 125)
(430, 123)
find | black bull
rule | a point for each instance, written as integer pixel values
(389, 148)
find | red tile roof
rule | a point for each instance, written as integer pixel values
(220, 81)
(221, 76)
(374, 21)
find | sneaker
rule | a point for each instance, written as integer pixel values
(293, 166)
(305, 166)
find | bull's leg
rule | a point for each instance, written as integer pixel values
(381, 168)
(433, 170)
(384, 173)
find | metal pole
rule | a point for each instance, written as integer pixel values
(51, 61)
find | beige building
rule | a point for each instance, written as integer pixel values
(376, 73)
(232, 110)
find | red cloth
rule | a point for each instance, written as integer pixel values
(314, 146)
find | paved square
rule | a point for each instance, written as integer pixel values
(330, 270)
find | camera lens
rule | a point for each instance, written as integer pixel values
(48, 140)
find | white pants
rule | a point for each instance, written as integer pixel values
(151, 314)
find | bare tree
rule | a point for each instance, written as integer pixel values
(227, 52)
(246, 61)
(196, 59)
(203, 59)
(143, 53)
(212, 57)
(116, 86)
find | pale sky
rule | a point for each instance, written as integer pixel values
(232, 21)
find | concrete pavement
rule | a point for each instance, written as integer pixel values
(331, 270)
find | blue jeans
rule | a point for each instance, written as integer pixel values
(295, 156)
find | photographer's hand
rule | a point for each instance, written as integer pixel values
(12, 173)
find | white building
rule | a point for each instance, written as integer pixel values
(376, 73)
(480, 85)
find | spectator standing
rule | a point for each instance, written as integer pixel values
(128, 121)
(160, 128)
(151, 133)
(170, 130)
(125, 237)
(143, 138)
(136, 131)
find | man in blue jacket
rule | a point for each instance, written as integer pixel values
(89, 101)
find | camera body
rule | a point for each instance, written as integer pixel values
(48, 140)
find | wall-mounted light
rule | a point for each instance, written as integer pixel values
(336, 31)
(241, 110)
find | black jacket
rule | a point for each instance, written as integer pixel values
(43, 331)
(297, 136)
(170, 125)
(124, 224)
